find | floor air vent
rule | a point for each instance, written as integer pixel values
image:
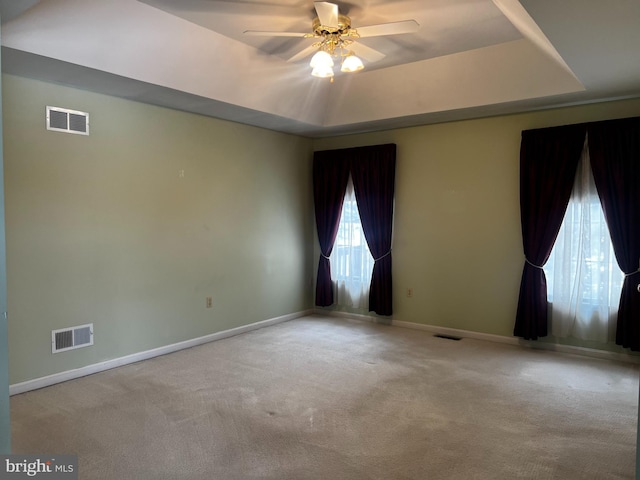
(447, 337)
(71, 338)
(69, 121)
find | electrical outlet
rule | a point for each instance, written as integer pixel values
(209, 302)
(409, 292)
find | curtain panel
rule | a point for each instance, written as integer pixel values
(548, 161)
(547, 156)
(330, 177)
(614, 148)
(583, 277)
(372, 170)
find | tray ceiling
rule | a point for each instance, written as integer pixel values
(469, 58)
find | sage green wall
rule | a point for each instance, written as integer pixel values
(5, 417)
(133, 226)
(105, 229)
(457, 238)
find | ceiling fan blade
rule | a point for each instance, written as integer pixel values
(393, 28)
(327, 13)
(257, 33)
(368, 53)
(304, 53)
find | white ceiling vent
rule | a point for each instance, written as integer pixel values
(71, 338)
(69, 121)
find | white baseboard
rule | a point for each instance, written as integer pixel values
(42, 382)
(554, 347)
(137, 357)
(584, 351)
(457, 333)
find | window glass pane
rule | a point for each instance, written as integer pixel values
(583, 277)
(351, 261)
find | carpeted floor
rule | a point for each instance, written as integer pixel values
(322, 398)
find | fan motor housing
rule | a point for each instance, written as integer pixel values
(344, 25)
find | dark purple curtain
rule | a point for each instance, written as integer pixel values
(330, 177)
(373, 172)
(548, 161)
(614, 151)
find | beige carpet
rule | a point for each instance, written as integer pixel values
(319, 398)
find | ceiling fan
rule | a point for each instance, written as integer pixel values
(336, 38)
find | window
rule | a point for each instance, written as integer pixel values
(583, 278)
(351, 260)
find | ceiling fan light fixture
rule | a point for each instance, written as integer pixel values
(352, 64)
(321, 59)
(322, 71)
(333, 35)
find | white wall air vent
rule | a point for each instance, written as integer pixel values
(70, 338)
(69, 121)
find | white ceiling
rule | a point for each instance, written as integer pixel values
(469, 58)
